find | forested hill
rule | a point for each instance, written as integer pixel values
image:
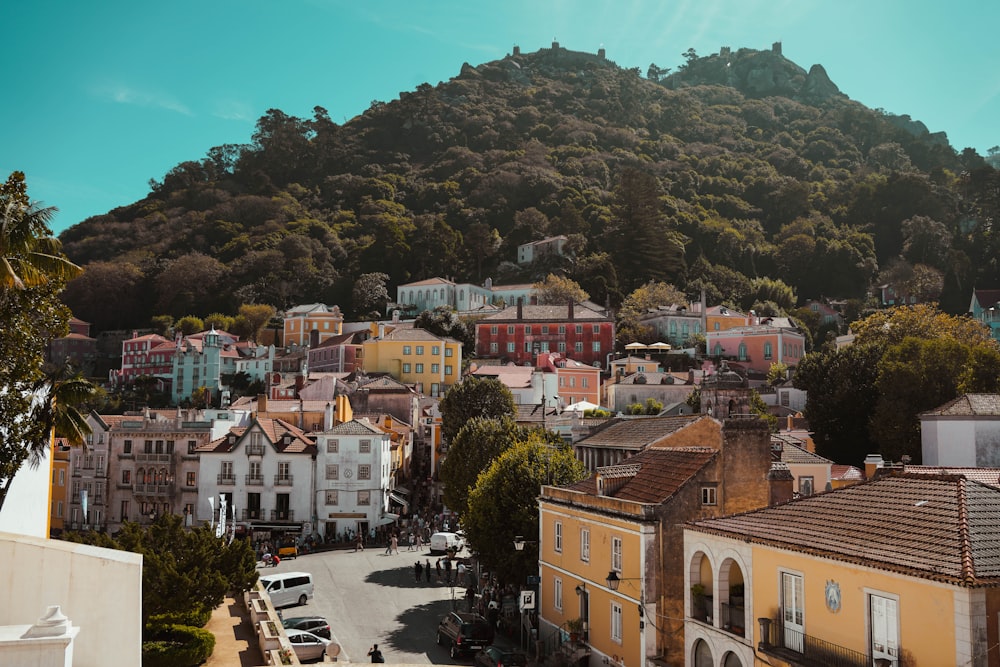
(737, 167)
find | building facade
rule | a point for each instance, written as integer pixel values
(301, 322)
(415, 357)
(757, 347)
(962, 432)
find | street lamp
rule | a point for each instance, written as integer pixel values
(614, 581)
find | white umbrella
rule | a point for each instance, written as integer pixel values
(635, 346)
(581, 406)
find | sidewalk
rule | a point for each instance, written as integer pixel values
(235, 641)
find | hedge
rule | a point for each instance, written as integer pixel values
(197, 618)
(177, 646)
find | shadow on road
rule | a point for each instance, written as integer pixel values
(403, 577)
(404, 639)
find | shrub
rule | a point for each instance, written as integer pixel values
(177, 646)
(196, 618)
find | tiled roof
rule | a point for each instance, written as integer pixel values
(637, 432)
(428, 281)
(276, 430)
(558, 313)
(654, 475)
(945, 528)
(382, 382)
(414, 334)
(987, 297)
(355, 427)
(532, 412)
(846, 473)
(795, 454)
(990, 476)
(969, 405)
(310, 308)
(654, 377)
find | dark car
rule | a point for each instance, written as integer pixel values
(314, 624)
(494, 656)
(464, 633)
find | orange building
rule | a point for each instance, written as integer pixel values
(60, 496)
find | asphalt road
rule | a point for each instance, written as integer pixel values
(370, 598)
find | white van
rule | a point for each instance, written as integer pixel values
(442, 542)
(288, 588)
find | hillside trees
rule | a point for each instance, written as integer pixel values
(474, 397)
(559, 290)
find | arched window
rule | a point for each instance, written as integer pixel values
(731, 660)
(702, 654)
(140, 476)
(717, 350)
(767, 350)
(743, 352)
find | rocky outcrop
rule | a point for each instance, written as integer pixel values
(818, 86)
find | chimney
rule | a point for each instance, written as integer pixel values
(262, 403)
(520, 308)
(300, 383)
(570, 309)
(872, 463)
(780, 482)
(314, 338)
(791, 423)
(328, 417)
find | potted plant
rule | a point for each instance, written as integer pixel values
(736, 595)
(698, 606)
(575, 627)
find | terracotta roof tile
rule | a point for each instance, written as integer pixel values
(945, 528)
(652, 476)
(846, 472)
(283, 436)
(356, 427)
(793, 453)
(636, 432)
(990, 476)
(978, 405)
(557, 313)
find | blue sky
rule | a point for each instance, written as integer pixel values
(100, 97)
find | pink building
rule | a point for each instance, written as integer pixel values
(757, 347)
(151, 354)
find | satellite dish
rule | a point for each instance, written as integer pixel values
(333, 649)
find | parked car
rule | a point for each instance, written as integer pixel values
(288, 588)
(307, 645)
(314, 624)
(464, 633)
(441, 543)
(494, 656)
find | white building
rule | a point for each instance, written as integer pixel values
(964, 432)
(354, 478)
(265, 473)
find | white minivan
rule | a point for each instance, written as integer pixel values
(442, 542)
(288, 588)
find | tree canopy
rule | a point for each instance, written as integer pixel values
(472, 450)
(474, 397)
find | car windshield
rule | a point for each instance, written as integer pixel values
(476, 630)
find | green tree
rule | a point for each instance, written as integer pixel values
(189, 324)
(219, 321)
(163, 324)
(503, 505)
(651, 295)
(369, 294)
(477, 444)
(444, 321)
(474, 397)
(557, 290)
(777, 373)
(257, 315)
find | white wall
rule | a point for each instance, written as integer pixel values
(26, 509)
(99, 590)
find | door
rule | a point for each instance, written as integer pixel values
(282, 507)
(253, 505)
(792, 611)
(885, 628)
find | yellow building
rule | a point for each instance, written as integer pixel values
(416, 357)
(900, 571)
(627, 519)
(60, 496)
(301, 321)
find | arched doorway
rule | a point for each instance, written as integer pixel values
(703, 654)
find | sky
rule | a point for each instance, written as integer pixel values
(100, 97)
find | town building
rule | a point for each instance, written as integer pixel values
(669, 389)
(416, 297)
(535, 250)
(338, 354)
(264, 471)
(353, 479)
(721, 318)
(898, 571)
(76, 348)
(59, 496)
(676, 324)
(962, 432)
(88, 495)
(149, 355)
(207, 359)
(432, 364)
(519, 333)
(618, 439)
(310, 324)
(758, 346)
(611, 547)
(812, 472)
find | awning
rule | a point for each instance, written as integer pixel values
(402, 489)
(386, 519)
(399, 499)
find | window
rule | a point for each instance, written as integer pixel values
(493, 348)
(557, 593)
(447, 369)
(420, 368)
(743, 352)
(62, 477)
(616, 554)
(572, 381)
(545, 329)
(364, 498)
(597, 328)
(284, 470)
(527, 346)
(557, 544)
(406, 368)
(792, 610)
(579, 328)
(435, 368)
(128, 447)
(448, 352)
(584, 382)
(578, 347)
(510, 347)
(332, 446)
(561, 346)
(715, 326)
(884, 624)
(191, 446)
(124, 510)
(767, 350)
(331, 496)
(493, 330)
(510, 330)
(126, 476)
(708, 495)
(227, 469)
(365, 446)
(420, 349)
(806, 486)
(616, 622)
(407, 349)
(147, 447)
(527, 329)
(332, 471)
(435, 349)
(59, 508)
(596, 346)
(192, 479)
(562, 328)
(364, 471)
(585, 544)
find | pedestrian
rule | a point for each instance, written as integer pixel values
(461, 573)
(420, 541)
(275, 560)
(394, 544)
(437, 566)
(447, 568)
(418, 571)
(360, 544)
(427, 571)
(388, 544)
(413, 541)
(470, 596)
(375, 654)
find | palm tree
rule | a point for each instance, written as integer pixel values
(29, 255)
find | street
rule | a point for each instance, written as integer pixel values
(369, 597)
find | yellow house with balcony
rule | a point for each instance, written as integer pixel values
(416, 357)
(896, 572)
(611, 546)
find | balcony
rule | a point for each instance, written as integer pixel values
(254, 480)
(226, 480)
(153, 458)
(801, 650)
(733, 618)
(250, 514)
(152, 489)
(124, 485)
(283, 480)
(282, 515)
(255, 450)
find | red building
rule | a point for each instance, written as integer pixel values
(76, 348)
(519, 333)
(151, 354)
